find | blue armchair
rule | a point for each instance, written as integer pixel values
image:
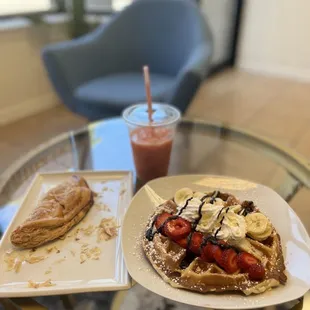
(99, 74)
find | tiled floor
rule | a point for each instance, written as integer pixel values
(277, 108)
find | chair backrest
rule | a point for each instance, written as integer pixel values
(160, 33)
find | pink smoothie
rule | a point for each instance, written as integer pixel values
(151, 150)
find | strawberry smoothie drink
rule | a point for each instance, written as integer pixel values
(151, 142)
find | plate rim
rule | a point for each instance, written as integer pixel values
(237, 306)
(53, 290)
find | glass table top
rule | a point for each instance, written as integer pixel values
(199, 147)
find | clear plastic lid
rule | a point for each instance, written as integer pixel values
(163, 115)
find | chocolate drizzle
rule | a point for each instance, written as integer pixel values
(189, 257)
(189, 240)
(214, 196)
(205, 240)
(218, 216)
(212, 200)
(214, 241)
(204, 197)
(184, 207)
(151, 232)
(218, 230)
(248, 207)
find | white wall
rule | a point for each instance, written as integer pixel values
(275, 38)
(25, 89)
(9, 7)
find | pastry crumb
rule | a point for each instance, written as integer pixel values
(58, 261)
(102, 207)
(88, 231)
(48, 271)
(51, 249)
(17, 265)
(34, 259)
(89, 253)
(15, 259)
(36, 285)
(107, 229)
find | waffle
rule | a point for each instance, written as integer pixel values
(181, 269)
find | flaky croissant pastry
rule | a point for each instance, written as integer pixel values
(57, 212)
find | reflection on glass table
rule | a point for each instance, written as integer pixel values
(199, 147)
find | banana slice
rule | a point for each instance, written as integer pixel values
(198, 195)
(258, 226)
(182, 195)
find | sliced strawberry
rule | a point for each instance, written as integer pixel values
(217, 254)
(229, 261)
(178, 228)
(211, 253)
(245, 260)
(256, 272)
(182, 243)
(161, 218)
(195, 243)
(207, 253)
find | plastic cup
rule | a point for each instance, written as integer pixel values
(151, 142)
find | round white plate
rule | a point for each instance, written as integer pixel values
(294, 237)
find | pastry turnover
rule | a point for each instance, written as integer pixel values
(57, 212)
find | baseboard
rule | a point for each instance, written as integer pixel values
(12, 113)
(299, 74)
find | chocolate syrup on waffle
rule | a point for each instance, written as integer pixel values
(212, 200)
(184, 207)
(218, 230)
(248, 207)
(150, 233)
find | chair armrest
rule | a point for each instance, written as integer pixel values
(71, 63)
(198, 61)
(191, 75)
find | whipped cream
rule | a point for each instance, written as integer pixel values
(190, 213)
(211, 215)
(233, 227)
(216, 218)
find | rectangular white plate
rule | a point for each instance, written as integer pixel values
(66, 271)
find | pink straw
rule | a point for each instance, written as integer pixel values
(148, 91)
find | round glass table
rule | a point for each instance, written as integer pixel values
(199, 147)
